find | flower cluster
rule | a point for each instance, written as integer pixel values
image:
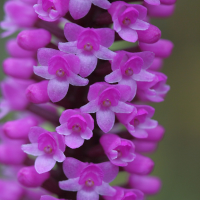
(65, 65)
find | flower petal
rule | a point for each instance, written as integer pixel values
(68, 47)
(105, 119)
(90, 107)
(87, 195)
(77, 80)
(143, 76)
(63, 129)
(104, 53)
(139, 25)
(34, 133)
(44, 163)
(32, 149)
(57, 89)
(105, 4)
(59, 156)
(74, 140)
(128, 34)
(114, 77)
(87, 134)
(122, 108)
(79, 8)
(43, 72)
(72, 31)
(105, 189)
(70, 185)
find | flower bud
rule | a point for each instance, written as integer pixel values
(155, 134)
(19, 129)
(143, 146)
(32, 40)
(150, 185)
(140, 165)
(163, 48)
(16, 51)
(168, 2)
(151, 35)
(157, 64)
(37, 92)
(28, 177)
(11, 154)
(21, 68)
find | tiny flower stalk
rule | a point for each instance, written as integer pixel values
(79, 109)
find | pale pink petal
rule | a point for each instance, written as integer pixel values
(74, 140)
(90, 107)
(124, 91)
(76, 80)
(87, 134)
(43, 72)
(79, 8)
(105, 4)
(59, 156)
(148, 124)
(73, 167)
(94, 91)
(87, 195)
(63, 129)
(105, 120)
(128, 34)
(142, 11)
(143, 76)
(66, 115)
(73, 61)
(139, 133)
(104, 53)
(114, 77)
(57, 89)
(139, 25)
(72, 31)
(88, 63)
(32, 149)
(68, 47)
(44, 163)
(116, 25)
(110, 171)
(54, 14)
(107, 36)
(39, 10)
(122, 108)
(70, 185)
(34, 133)
(105, 189)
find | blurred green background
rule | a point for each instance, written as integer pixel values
(177, 161)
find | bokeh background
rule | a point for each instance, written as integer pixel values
(177, 161)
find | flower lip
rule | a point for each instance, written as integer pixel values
(132, 66)
(139, 118)
(88, 40)
(58, 66)
(92, 175)
(47, 5)
(47, 143)
(77, 123)
(129, 16)
(109, 97)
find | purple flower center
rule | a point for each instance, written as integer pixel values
(48, 5)
(129, 72)
(88, 47)
(89, 183)
(77, 123)
(106, 103)
(76, 128)
(126, 21)
(60, 72)
(136, 122)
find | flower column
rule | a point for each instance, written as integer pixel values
(105, 124)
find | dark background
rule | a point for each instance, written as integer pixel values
(177, 161)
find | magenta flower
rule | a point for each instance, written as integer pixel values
(119, 151)
(155, 90)
(153, 2)
(126, 194)
(19, 15)
(88, 44)
(90, 180)
(80, 8)
(48, 146)
(61, 69)
(106, 100)
(51, 10)
(130, 68)
(75, 126)
(127, 19)
(47, 197)
(137, 123)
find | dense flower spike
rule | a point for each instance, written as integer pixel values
(90, 180)
(76, 127)
(106, 100)
(47, 146)
(88, 44)
(61, 69)
(59, 44)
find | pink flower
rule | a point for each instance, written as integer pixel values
(119, 151)
(130, 68)
(50, 10)
(88, 44)
(127, 19)
(137, 122)
(75, 126)
(80, 8)
(106, 100)
(61, 69)
(19, 15)
(48, 146)
(153, 2)
(126, 194)
(90, 180)
(47, 197)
